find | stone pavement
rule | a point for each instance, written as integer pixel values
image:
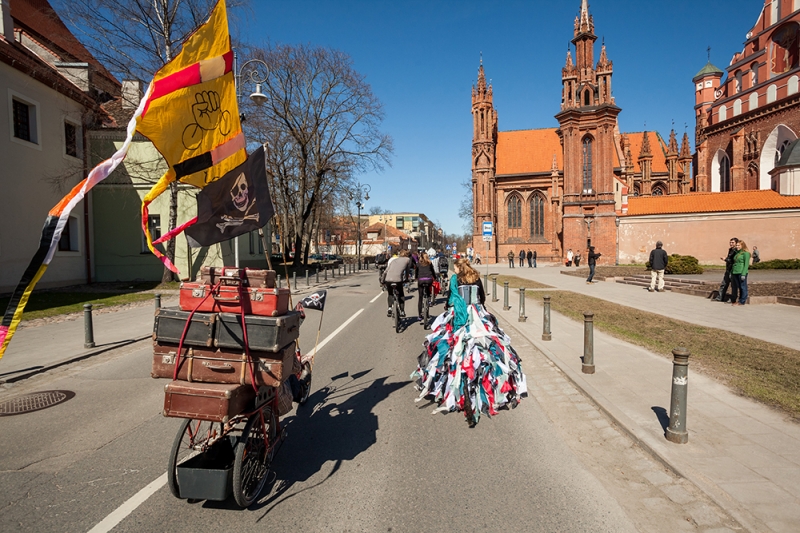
(743, 455)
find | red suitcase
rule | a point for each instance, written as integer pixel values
(215, 402)
(233, 299)
(249, 277)
(208, 365)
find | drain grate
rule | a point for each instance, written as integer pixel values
(34, 402)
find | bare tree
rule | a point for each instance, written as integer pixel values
(466, 207)
(133, 39)
(323, 119)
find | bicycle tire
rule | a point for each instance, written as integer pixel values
(426, 310)
(396, 314)
(189, 436)
(253, 458)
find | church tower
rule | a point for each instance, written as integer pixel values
(484, 145)
(588, 120)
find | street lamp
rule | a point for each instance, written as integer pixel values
(360, 192)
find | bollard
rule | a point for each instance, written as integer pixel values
(316, 273)
(88, 330)
(294, 279)
(485, 282)
(308, 283)
(676, 432)
(588, 343)
(333, 273)
(494, 290)
(278, 282)
(546, 320)
(522, 317)
(506, 307)
(158, 301)
(326, 273)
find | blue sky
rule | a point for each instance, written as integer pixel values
(421, 59)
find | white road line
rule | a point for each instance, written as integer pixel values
(378, 296)
(119, 514)
(111, 521)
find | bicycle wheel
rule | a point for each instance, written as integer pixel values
(191, 440)
(426, 309)
(305, 383)
(253, 457)
(396, 314)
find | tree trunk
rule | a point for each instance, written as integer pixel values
(168, 275)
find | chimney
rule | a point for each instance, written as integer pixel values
(6, 21)
(131, 94)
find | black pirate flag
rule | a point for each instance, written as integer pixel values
(237, 203)
(315, 300)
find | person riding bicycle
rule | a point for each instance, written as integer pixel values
(398, 271)
(381, 260)
(425, 277)
(466, 275)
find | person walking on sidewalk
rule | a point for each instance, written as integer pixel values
(577, 259)
(658, 263)
(741, 265)
(530, 258)
(756, 255)
(592, 262)
(522, 258)
(534, 259)
(726, 279)
(569, 257)
(511, 259)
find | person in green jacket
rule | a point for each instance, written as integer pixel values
(741, 264)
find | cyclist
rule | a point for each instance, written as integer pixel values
(381, 260)
(398, 270)
(425, 277)
(466, 275)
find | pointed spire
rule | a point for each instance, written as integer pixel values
(603, 61)
(569, 65)
(645, 151)
(584, 22)
(481, 78)
(672, 149)
(554, 168)
(686, 151)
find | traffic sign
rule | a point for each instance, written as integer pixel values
(448, 247)
(487, 230)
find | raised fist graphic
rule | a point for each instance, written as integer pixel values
(208, 116)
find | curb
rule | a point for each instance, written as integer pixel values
(641, 438)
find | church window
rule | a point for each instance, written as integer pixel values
(723, 113)
(780, 150)
(738, 81)
(784, 48)
(515, 212)
(737, 107)
(791, 85)
(537, 217)
(775, 11)
(587, 96)
(772, 93)
(754, 74)
(636, 190)
(658, 190)
(587, 165)
(724, 174)
(753, 102)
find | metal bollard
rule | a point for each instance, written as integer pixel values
(294, 279)
(88, 330)
(316, 273)
(326, 273)
(506, 307)
(333, 273)
(676, 432)
(158, 301)
(588, 343)
(308, 284)
(546, 320)
(278, 281)
(494, 290)
(485, 281)
(522, 317)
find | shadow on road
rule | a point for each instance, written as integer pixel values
(663, 417)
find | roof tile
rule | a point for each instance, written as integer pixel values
(528, 151)
(713, 202)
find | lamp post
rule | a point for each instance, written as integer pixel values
(360, 192)
(252, 71)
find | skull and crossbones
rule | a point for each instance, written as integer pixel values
(240, 197)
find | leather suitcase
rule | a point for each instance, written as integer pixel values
(215, 402)
(249, 277)
(170, 322)
(232, 299)
(267, 334)
(208, 365)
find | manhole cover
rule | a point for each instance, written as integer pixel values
(34, 402)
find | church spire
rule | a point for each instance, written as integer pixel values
(645, 152)
(686, 152)
(672, 148)
(569, 64)
(584, 23)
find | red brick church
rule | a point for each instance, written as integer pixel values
(555, 189)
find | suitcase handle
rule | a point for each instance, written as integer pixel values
(233, 300)
(225, 367)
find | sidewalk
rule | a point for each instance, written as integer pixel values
(745, 456)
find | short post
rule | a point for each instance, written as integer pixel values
(308, 284)
(506, 307)
(316, 273)
(158, 301)
(494, 290)
(546, 321)
(676, 432)
(326, 273)
(333, 272)
(485, 281)
(588, 343)
(88, 330)
(278, 281)
(522, 317)
(294, 279)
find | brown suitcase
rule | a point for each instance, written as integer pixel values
(215, 402)
(250, 277)
(210, 365)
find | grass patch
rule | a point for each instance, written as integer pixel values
(47, 304)
(756, 369)
(515, 283)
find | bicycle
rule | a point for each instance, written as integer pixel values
(425, 292)
(396, 319)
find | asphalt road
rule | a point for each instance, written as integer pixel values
(359, 456)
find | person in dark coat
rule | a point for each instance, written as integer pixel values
(522, 258)
(530, 259)
(658, 263)
(592, 258)
(534, 259)
(726, 279)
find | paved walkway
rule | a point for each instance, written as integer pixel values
(742, 454)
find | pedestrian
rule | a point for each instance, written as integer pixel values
(726, 279)
(592, 262)
(658, 263)
(741, 264)
(756, 256)
(522, 258)
(511, 259)
(478, 258)
(530, 258)
(577, 259)
(569, 257)
(534, 259)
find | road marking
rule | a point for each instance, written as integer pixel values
(378, 296)
(118, 515)
(121, 512)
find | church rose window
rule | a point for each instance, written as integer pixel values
(537, 217)
(515, 212)
(587, 165)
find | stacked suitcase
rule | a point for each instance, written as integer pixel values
(214, 377)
